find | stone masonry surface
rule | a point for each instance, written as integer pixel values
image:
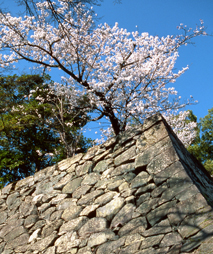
(140, 193)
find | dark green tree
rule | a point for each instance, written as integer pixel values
(35, 134)
(202, 147)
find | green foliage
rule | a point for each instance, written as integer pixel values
(202, 147)
(30, 133)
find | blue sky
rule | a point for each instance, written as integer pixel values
(161, 17)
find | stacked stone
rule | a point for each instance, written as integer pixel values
(130, 195)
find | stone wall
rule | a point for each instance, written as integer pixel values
(141, 192)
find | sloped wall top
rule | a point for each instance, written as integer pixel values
(141, 192)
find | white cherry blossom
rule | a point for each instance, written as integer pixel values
(124, 75)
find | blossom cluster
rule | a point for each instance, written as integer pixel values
(124, 75)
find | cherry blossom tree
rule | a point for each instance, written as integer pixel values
(124, 75)
(30, 7)
(64, 120)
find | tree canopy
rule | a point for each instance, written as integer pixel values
(34, 135)
(202, 146)
(124, 75)
(56, 16)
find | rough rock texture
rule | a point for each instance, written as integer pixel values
(141, 192)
